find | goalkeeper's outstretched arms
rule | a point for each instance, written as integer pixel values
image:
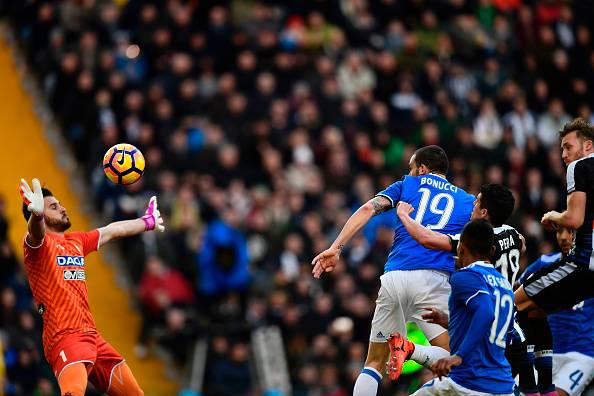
(121, 229)
(33, 199)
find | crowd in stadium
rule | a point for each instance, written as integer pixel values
(265, 124)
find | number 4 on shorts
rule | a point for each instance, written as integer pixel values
(575, 378)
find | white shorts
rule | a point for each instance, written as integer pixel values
(447, 387)
(403, 297)
(572, 372)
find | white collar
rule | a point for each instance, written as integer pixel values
(483, 264)
(435, 174)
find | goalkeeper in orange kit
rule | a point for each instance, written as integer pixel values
(55, 266)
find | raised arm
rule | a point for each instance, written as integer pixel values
(423, 235)
(327, 260)
(35, 204)
(578, 184)
(572, 217)
(122, 229)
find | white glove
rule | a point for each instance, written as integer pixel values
(33, 199)
(152, 217)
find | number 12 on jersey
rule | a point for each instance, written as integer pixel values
(503, 305)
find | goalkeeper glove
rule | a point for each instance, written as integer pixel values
(33, 199)
(152, 217)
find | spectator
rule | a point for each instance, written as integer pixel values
(223, 259)
(160, 288)
(354, 76)
(521, 121)
(551, 122)
(488, 130)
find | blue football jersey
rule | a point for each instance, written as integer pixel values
(484, 368)
(572, 329)
(440, 206)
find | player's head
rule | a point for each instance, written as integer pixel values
(494, 203)
(429, 159)
(577, 140)
(564, 238)
(55, 215)
(476, 243)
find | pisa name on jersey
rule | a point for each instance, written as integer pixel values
(580, 177)
(508, 247)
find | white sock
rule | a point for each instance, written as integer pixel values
(367, 382)
(426, 355)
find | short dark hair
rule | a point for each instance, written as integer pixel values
(580, 126)
(46, 193)
(478, 237)
(499, 202)
(434, 158)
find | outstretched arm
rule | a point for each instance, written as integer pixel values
(327, 260)
(122, 229)
(35, 204)
(421, 234)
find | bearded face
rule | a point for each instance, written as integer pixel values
(55, 215)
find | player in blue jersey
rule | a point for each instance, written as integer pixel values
(415, 277)
(495, 204)
(572, 329)
(481, 311)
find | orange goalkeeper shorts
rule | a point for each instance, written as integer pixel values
(90, 348)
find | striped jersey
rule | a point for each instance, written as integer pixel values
(508, 248)
(580, 177)
(56, 273)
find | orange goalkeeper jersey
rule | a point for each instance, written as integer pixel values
(56, 272)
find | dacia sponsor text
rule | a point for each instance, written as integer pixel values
(67, 261)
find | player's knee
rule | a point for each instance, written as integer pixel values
(135, 391)
(73, 391)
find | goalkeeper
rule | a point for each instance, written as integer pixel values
(55, 266)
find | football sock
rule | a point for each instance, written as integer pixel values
(522, 363)
(543, 362)
(543, 354)
(426, 355)
(538, 332)
(367, 382)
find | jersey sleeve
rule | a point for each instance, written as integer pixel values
(577, 177)
(32, 252)
(393, 192)
(467, 285)
(90, 240)
(482, 310)
(454, 240)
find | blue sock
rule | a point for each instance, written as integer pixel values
(543, 362)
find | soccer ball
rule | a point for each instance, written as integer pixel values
(123, 164)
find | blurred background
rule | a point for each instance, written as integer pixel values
(265, 124)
